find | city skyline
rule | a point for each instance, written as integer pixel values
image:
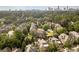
(34, 7)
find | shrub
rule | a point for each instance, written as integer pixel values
(16, 40)
(1, 23)
(75, 18)
(50, 33)
(45, 26)
(23, 46)
(12, 42)
(3, 38)
(76, 26)
(76, 41)
(53, 46)
(28, 26)
(19, 35)
(55, 34)
(5, 41)
(64, 22)
(13, 27)
(70, 27)
(57, 18)
(69, 43)
(29, 39)
(25, 31)
(62, 30)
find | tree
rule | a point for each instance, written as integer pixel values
(18, 38)
(19, 35)
(76, 26)
(65, 22)
(57, 18)
(75, 18)
(70, 27)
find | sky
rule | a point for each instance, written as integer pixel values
(31, 7)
